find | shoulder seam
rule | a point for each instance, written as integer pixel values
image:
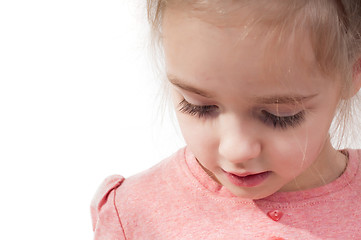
(117, 211)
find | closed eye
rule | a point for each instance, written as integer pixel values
(197, 110)
(283, 122)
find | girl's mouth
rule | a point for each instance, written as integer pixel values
(248, 179)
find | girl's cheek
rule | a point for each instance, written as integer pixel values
(195, 130)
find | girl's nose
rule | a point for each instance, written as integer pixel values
(239, 142)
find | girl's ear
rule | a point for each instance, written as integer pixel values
(356, 78)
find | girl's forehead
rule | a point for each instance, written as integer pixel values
(278, 21)
(196, 47)
(232, 13)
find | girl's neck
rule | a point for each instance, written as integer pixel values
(329, 166)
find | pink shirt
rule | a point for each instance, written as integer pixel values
(176, 199)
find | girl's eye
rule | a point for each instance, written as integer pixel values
(275, 121)
(196, 110)
(284, 121)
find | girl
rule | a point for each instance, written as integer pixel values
(256, 85)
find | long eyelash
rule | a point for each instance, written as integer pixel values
(195, 110)
(283, 122)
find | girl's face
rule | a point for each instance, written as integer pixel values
(255, 117)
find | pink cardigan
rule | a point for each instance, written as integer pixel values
(176, 199)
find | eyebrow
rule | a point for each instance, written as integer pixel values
(291, 99)
(277, 99)
(175, 81)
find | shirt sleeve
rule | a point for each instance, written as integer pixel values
(105, 217)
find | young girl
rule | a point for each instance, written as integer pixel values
(256, 85)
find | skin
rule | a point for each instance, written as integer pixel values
(241, 77)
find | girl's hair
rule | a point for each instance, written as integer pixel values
(334, 27)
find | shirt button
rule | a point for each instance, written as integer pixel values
(275, 215)
(276, 238)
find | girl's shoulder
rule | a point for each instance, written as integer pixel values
(104, 190)
(152, 181)
(156, 177)
(106, 224)
(127, 198)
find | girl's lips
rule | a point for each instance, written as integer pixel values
(247, 179)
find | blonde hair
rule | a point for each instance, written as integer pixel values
(334, 27)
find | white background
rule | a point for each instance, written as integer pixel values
(77, 103)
